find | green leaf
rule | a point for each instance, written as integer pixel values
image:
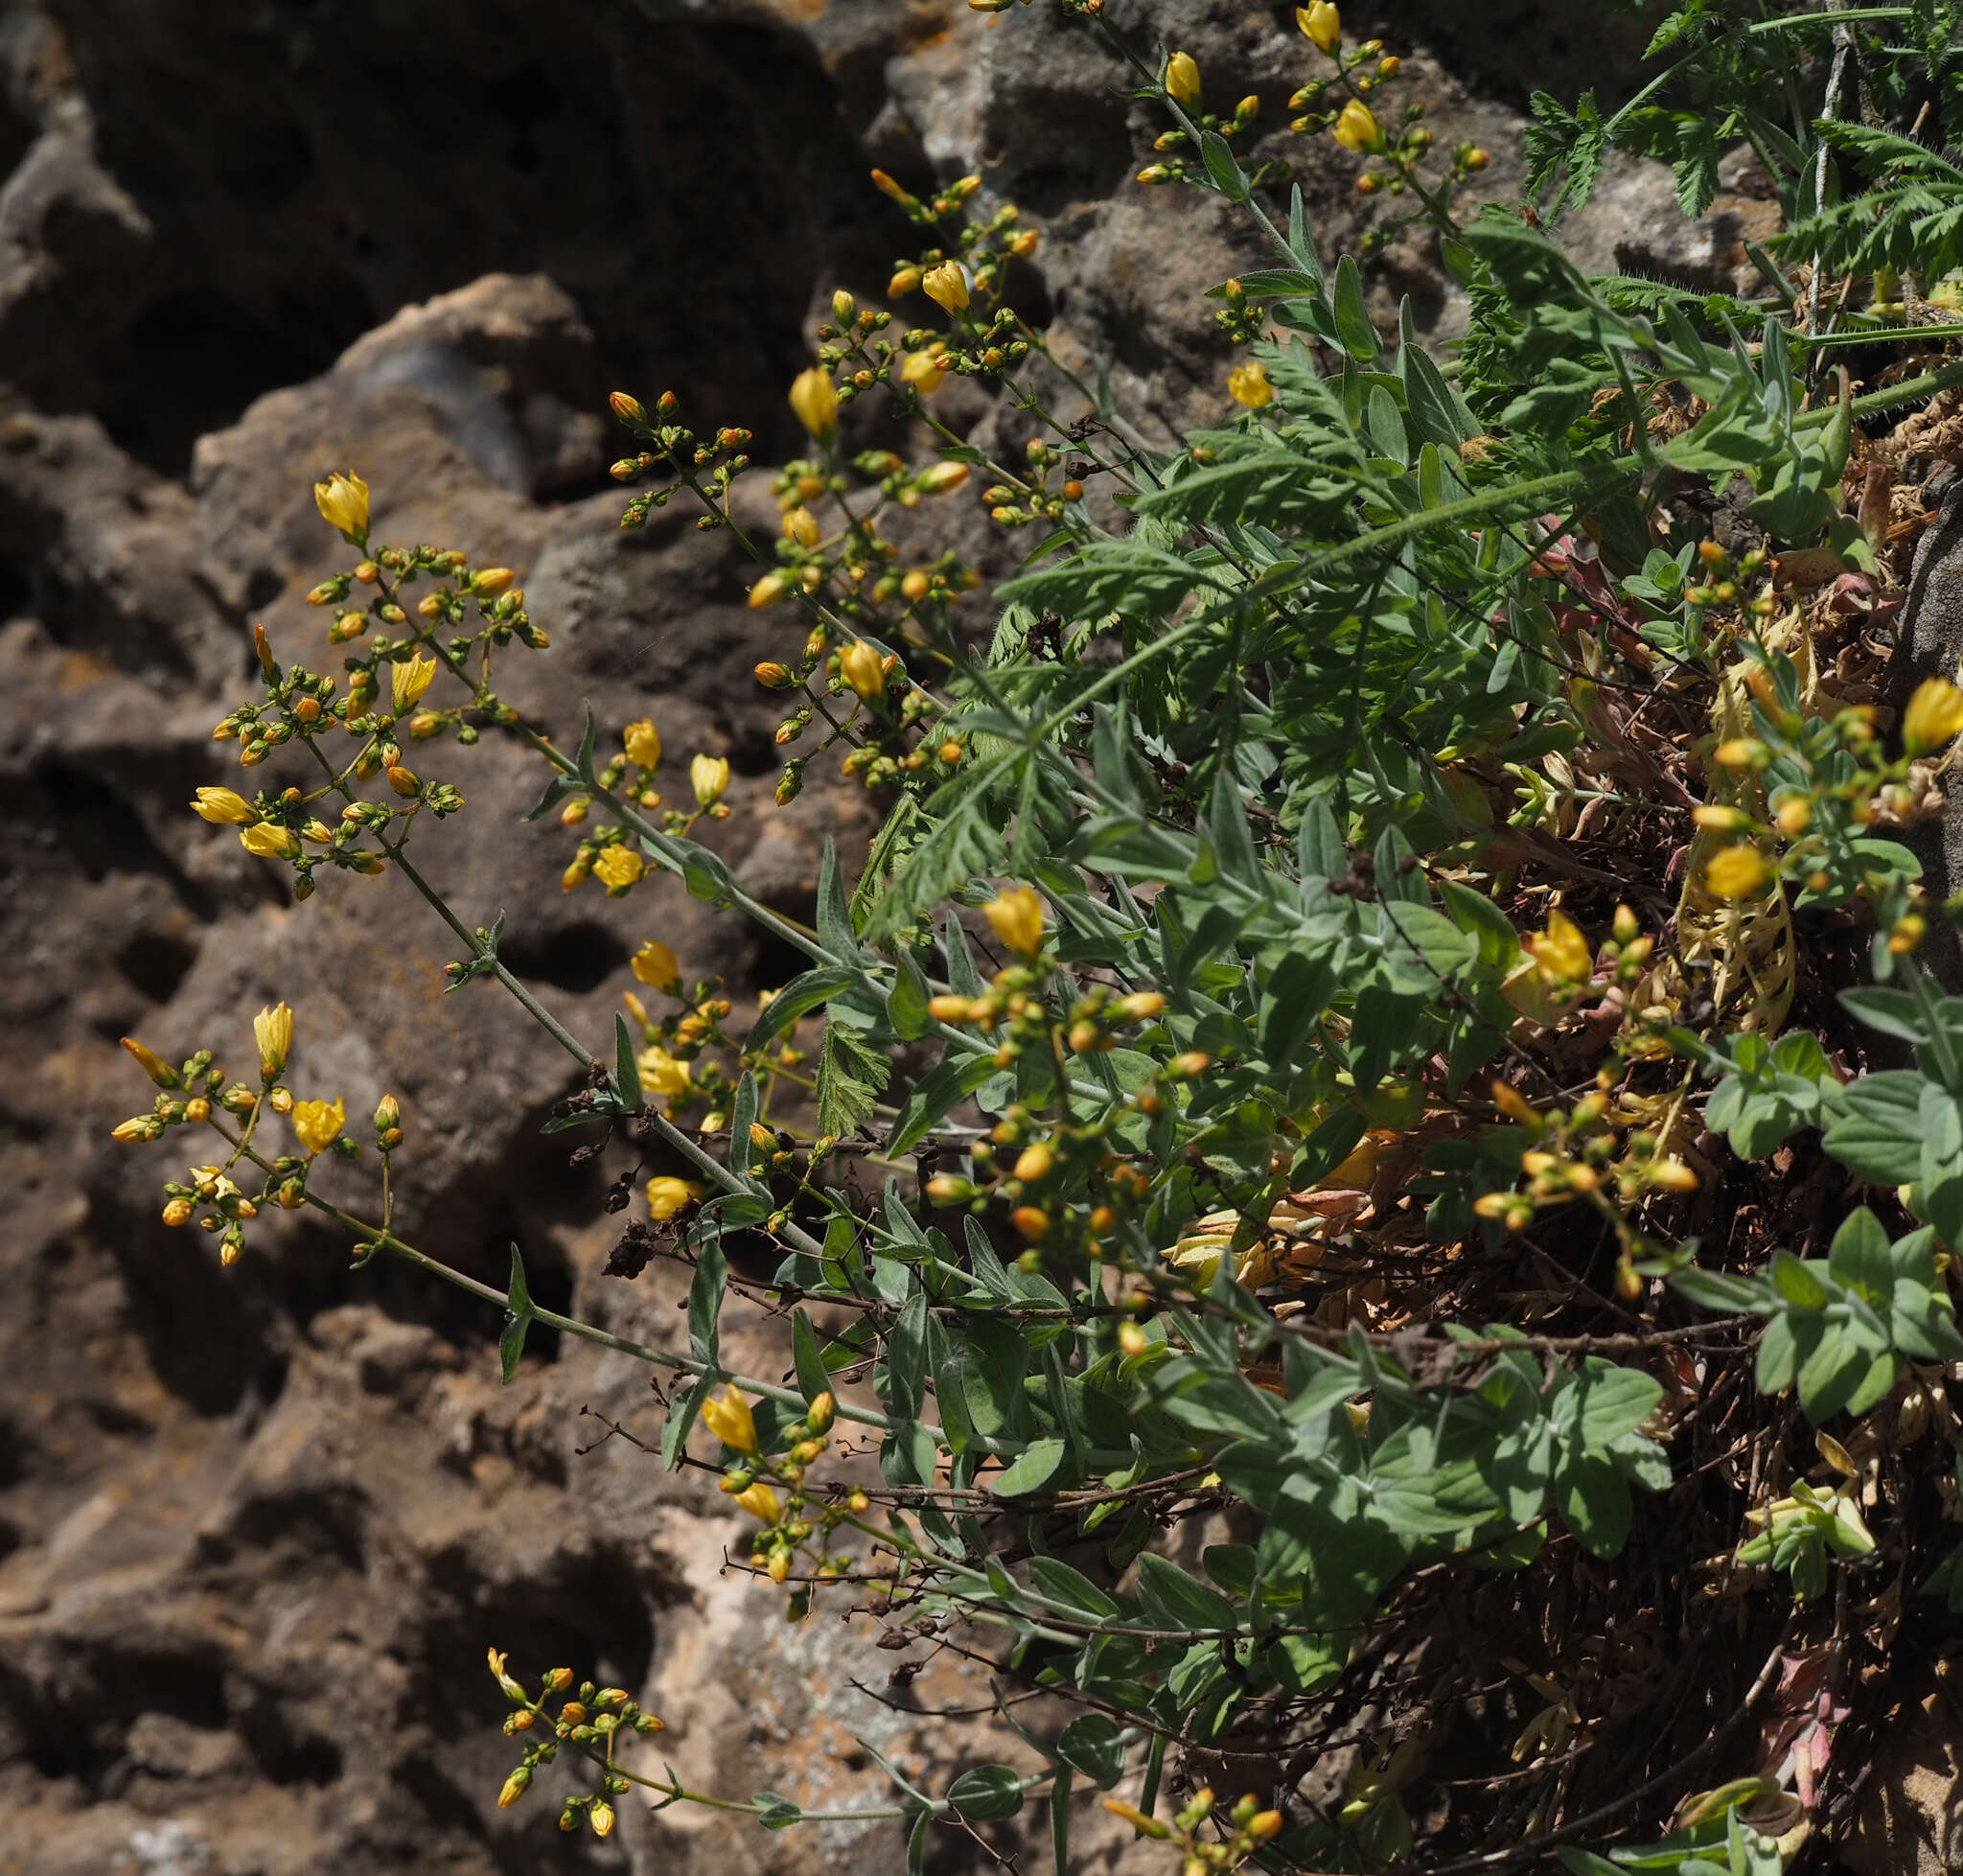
(852, 1071)
(906, 1008)
(936, 1095)
(1612, 1402)
(1059, 1822)
(1593, 1499)
(833, 915)
(813, 1378)
(1056, 1580)
(1094, 1745)
(626, 1074)
(706, 1302)
(518, 1317)
(1040, 1467)
(1795, 1283)
(1218, 156)
(1175, 1600)
(985, 1794)
(801, 995)
(1358, 335)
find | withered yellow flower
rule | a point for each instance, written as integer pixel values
(1561, 953)
(1249, 384)
(273, 1030)
(667, 1196)
(1356, 130)
(269, 841)
(655, 963)
(662, 1073)
(223, 807)
(815, 400)
(1017, 919)
(727, 1416)
(317, 1123)
(343, 503)
(708, 776)
(643, 742)
(1322, 25)
(1934, 717)
(620, 867)
(862, 667)
(408, 682)
(1736, 872)
(1183, 78)
(947, 285)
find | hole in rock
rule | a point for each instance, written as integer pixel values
(195, 359)
(576, 957)
(157, 963)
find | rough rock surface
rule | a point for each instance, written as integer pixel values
(258, 1527)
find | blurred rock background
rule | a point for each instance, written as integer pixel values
(258, 1527)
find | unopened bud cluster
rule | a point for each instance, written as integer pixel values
(594, 1720)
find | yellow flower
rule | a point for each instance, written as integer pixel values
(708, 776)
(662, 1073)
(223, 807)
(270, 841)
(759, 1501)
(655, 963)
(815, 400)
(726, 1415)
(1321, 26)
(410, 681)
(1736, 872)
(1356, 130)
(317, 1123)
(1016, 916)
(924, 370)
(343, 503)
(1561, 953)
(801, 526)
(1183, 78)
(273, 1030)
(666, 1195)
(1934, 717)
(862, 667)
(1249, 384)
(643, 743)
(620, 867)
(947, 286)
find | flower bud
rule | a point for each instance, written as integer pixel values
(628, 409)
(223, 807)
(708, 776)
(862, 666)
(821, 1412)
(843, 307)
(405, 782)
(947, 285)
(343, 503)
(815, 400)
(515, 1787)
(1183, 78)
(153, 1065)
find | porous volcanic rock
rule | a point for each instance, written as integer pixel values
(259, 1527)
